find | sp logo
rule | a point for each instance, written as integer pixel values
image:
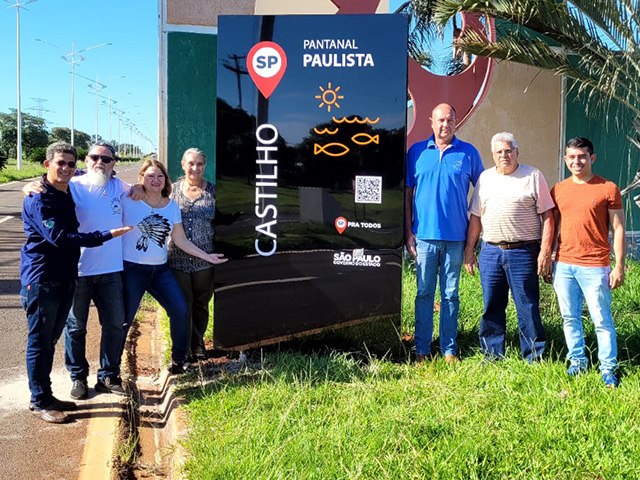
(266, 63)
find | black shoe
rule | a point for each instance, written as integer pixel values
(178, 368)
(62, 405)
(79, 390)
(197, 357)
(110, 385)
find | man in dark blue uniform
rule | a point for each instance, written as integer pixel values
(48, 271)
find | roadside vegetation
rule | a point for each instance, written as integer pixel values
(10, 172)
(340, 415)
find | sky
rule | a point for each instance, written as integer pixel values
(128, 67)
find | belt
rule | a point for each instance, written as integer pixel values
(512, 245)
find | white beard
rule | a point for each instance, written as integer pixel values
(97, 178)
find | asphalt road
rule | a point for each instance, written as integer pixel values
(31, 448)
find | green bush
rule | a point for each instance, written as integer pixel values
(37, 155)
(82, 152)
(3, 160)
(128, 159)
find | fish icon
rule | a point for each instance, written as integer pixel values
(367, 139)
(333, 149)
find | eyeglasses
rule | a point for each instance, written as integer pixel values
(507, 152)
(104, 158)
(65, 163)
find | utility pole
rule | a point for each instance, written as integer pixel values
(18, 6)
(73, 57)
(238, 70)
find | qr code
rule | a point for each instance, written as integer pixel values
(368, 189)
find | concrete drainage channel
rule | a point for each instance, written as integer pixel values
(147, 440)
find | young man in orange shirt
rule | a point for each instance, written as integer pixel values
(587, 206)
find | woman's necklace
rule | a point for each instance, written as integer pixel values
(192, 192)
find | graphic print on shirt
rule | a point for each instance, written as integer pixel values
(116, 207)
(154, 227)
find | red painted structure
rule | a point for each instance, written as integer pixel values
(464, 91)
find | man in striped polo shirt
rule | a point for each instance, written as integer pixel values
(512, 206)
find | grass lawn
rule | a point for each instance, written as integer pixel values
(11, 173)
(347, 416)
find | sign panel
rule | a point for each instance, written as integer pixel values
(311, 120)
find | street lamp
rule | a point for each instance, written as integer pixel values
(73, 57)
(120, 114)
(109, 103)
(18, 6)
(97, 87)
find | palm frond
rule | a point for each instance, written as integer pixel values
(422, 29)
(591, 33)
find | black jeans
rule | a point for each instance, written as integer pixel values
(198, 290)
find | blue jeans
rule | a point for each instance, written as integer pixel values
(47, 306)
(106, 292)
(444, 258)
(515, 269)
(572, 284)
(160, 282)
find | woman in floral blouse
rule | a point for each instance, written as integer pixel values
(196, 198)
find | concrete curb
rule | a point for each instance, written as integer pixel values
(162, 421)
(99, 447)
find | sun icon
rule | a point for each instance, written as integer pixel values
(329, 97)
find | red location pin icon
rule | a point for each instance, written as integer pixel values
(266, 63)
(341, 224)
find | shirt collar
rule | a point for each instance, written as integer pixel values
(431, 142)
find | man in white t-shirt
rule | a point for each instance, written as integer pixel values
(97, 197)
(512, 206)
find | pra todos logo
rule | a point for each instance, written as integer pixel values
(266, 63)
(356, 258)
(342, 223)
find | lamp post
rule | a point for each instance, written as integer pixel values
(97, 87)
(73, 57)
(120, 114)
(109, 102)
(18, 5)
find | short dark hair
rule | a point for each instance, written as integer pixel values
(60, 147)
(581, 142)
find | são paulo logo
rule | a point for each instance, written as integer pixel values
(356, 258)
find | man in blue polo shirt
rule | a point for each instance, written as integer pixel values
(48, 271)
(439, 173)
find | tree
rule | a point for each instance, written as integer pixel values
(63, 134)
(593, 42)
(423, 29)
(34, 132)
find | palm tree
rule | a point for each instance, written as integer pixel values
(423, 29)
(594, 42)
(424, 32)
